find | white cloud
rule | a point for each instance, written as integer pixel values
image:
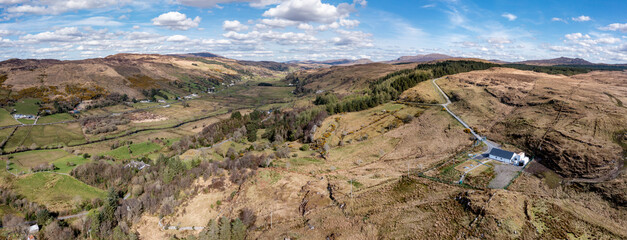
(348, 23)
(8, 2)
(509, 16)
(582, 18)
(234, 26)
(429, 5)
(497, 40)
(6, 32)
(353, 39)
(68, 34)
(214, 3)
(615, 27)
(305, 26)
(587, 41)
(54, 7)
(176, 21)
(283, 38)
(177, 38)
(98, 21)
(311, 11)
(556, 19)
(575, 36)
(277, 23)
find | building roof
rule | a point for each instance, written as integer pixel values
(501, 153)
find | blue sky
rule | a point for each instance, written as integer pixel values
(283, 30)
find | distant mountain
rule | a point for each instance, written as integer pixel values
(333, 62)
(128, 74)
(201, 54)
(557, 61)
(420, 58)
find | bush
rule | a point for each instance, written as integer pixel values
(304, 147)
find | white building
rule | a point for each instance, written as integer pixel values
(509, 157)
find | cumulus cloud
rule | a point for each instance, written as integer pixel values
(582, 18)
(509, 16)
(215, 3)
(68, 34)
(176, 21)
(177, 38)
(98, 21)
(352, 39)
(57, 6)
(587, 41)
(615, 27)
(234, 26)
(283, 38)
(556, 19)
(6, 32)
(276, 23)
(311, 11)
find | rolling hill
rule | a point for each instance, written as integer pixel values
(130, 74)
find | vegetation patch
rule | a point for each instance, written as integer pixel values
(34, 158)
(6, 119)
(59, 117)
(66, 164)
(133, 150)
(56, 191)
(29, 106)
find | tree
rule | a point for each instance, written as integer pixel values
(225, 229)
(247, 216)
(13, 223)
(238, 230)
(54, 231)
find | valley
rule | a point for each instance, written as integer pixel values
(207, 146)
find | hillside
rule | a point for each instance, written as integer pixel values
(557, 61)
(420, 58)
(131, 73)
(329, 63)
(342, 79)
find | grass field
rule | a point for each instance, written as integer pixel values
(136, 150)
(4, 133)
(27, 106)
(49, 135)
(62, 163)
(53, 135)
(55, 118)
(6, 119)
(17, 138)
(34, 158)
(55, 191)
(26, 121)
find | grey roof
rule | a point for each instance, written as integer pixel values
(501, 153)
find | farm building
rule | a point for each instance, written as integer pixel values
(508, 157)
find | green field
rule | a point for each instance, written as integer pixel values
(27, 106)
(53, 135)
(49, 135)
(4, 133)
(26, 121)
(6, 119)
(62, 163)
(17, 138)
(55, 118)
(55, 191)
(34, 158)
(136, 150)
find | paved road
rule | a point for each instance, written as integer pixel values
(445, 106)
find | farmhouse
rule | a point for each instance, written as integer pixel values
(24, 116)
(508, 157)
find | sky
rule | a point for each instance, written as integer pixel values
(284, 30)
